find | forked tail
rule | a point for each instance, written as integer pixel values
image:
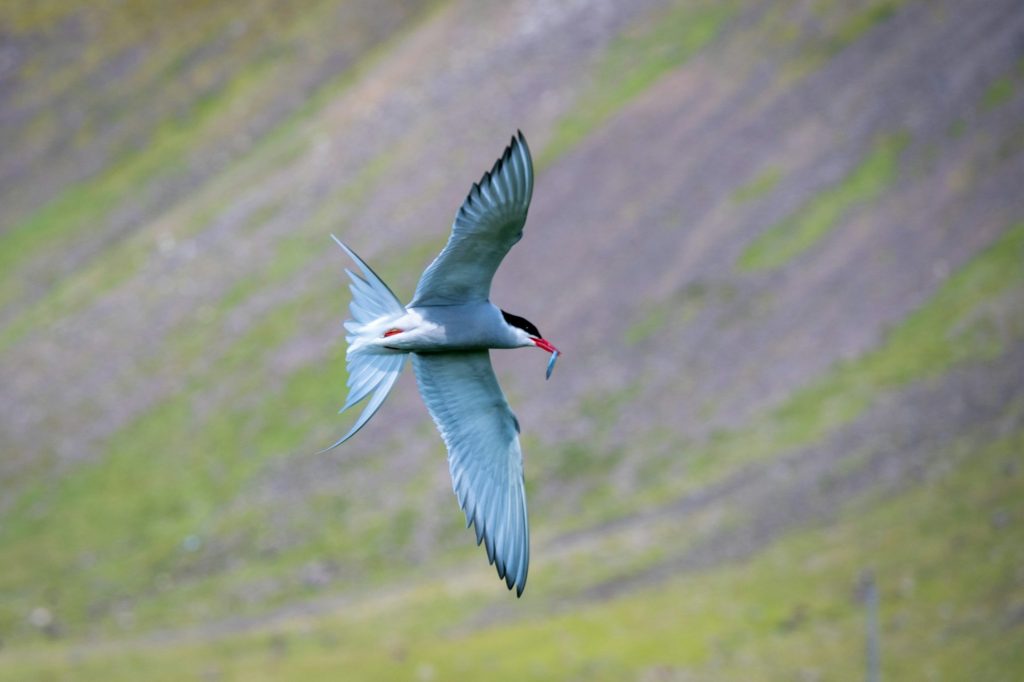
(371, 369)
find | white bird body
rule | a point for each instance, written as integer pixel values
(434, 329)
(448, 329)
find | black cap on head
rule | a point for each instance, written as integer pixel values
(522, 323)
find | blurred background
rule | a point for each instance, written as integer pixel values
(780, 243)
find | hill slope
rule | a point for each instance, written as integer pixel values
(780, 244)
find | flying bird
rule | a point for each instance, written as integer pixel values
(448, 330)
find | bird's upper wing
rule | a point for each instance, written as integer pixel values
(486, 226)
(486, 464)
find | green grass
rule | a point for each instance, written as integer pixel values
(730, 623)
(180, 469)
(946, 575)
(967, 319)
(120, 523)
(997, 94)
(634, 62)
(760, 186)
(101, 275)
(838, 25)
(680, 308)
(650, 324)
(860, 22)
(122, 526)
(109, 539)
(79, 208)
(796, 234)
(957, 324)
(957, 128)
(297, 250)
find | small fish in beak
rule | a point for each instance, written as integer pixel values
(544, 344)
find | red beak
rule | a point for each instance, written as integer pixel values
(544, 344)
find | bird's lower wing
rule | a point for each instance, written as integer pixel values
(486, 463)
(486, 226)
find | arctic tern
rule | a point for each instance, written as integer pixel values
(448, 330)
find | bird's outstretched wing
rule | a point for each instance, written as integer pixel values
(486, 464)
(486, 226)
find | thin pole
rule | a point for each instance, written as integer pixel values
(871, 626)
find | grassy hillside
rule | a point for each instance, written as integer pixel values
(779, 243)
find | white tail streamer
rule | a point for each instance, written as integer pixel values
(371, 368)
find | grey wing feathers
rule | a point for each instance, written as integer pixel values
(486, 226)
(486, 463)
